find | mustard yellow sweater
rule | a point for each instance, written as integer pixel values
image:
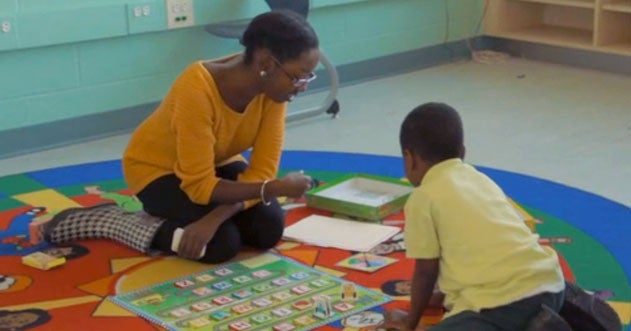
(193, 131)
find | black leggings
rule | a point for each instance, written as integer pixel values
(259, 226)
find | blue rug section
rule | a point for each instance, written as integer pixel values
(79, 174)
(602, 219)
(346, 162)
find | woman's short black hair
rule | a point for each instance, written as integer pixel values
(284, 33)
(434, 132)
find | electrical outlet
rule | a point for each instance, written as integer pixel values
(145, 16)
(6, 26)
(8, 38)
(180, 13)
(142, 11)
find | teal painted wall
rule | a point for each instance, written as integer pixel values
(65, 59)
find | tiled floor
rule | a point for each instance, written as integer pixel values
(568, 125)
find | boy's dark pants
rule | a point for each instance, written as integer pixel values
(511, 317)
(259, 226)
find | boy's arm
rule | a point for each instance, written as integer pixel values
(423, 282)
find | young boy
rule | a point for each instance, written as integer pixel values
(463, 232)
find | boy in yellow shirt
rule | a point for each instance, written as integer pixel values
(464, 234)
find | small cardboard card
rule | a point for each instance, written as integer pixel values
(366, 262)
(42, 260)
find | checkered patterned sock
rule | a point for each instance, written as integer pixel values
(107, 221)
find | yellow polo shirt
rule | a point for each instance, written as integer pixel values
(487, 255)
(193, 131)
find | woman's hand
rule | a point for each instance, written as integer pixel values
(195, 237)
(293, 185)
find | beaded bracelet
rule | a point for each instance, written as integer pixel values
(262, 193)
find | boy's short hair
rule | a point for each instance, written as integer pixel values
(434, 132)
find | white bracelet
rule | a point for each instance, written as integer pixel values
(262, 193)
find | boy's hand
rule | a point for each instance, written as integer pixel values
(398, 320)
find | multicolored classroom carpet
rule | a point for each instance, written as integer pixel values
(589, 232)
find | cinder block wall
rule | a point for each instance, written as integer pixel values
(67, 59)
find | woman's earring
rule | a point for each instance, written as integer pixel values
(263, 73)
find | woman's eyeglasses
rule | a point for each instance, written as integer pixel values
(296, 81)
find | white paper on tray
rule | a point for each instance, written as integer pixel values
(326, 231)
(365, 191)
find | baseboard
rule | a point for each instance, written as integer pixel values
(36, 138)
(613, 63)
(399, 63)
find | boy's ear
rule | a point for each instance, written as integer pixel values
(406, 153)
(410, 158)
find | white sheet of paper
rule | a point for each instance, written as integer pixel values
(326, 231)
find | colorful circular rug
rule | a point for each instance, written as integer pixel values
(589, 232)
